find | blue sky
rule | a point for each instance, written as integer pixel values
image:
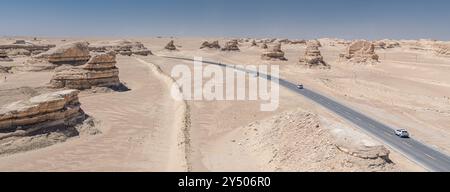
(369, 19)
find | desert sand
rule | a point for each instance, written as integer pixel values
(145, 129)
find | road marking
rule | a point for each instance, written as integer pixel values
(429, 156)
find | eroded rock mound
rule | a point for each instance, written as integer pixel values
(24, 48)
(122, 47)
(313, 57)
(386, 44)
(232, 45)
(361, 52)
(72, 53)
(4, 56)
(213, 45)
(43, 111)
(99, 71)
(274, 52)
(171, 46)
(42, 121)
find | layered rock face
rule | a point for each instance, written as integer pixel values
(73, 53)
(213, 45)
(361, 52)
(274, 52)
(99, 71)
(313, 57)
(25, 48)
(232, 45)
(121, 47)
(43, 111)
(171, 46)
(4, 56)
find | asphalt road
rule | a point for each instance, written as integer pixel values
(426, 156)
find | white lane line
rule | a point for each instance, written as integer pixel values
(429, 156)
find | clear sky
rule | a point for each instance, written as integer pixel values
(369, 19)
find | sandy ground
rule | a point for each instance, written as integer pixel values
(408, 89)
(137, 131)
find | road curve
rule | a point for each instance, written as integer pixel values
(426, 156)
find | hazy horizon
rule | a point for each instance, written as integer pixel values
(347, 19)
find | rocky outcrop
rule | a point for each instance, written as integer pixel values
(171, 46)
(213, 45)
(296, 42)
(361, 52)
(274, 52)
(386, 44)
(43, 111)
(441, 49)
(313, 57)
(4, 56)
(232, 45)
(26, 48)
(122, 47)
(99, 71)
(73, 53)
(264, 46)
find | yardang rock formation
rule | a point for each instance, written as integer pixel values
(4, 56)
(274, 52)
(99, 71)
(122, 47)
(73, 53)
(47, 110)
(232, 45)
(361, 52)
(171, 46)
(313, 57)
(213, 45)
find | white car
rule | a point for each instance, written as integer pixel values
(402, 133)
(300, 86)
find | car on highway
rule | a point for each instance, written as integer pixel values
(300, 86)
(402, 133)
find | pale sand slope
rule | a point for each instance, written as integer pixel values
(137, 126)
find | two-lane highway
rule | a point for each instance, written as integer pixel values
(416, 151)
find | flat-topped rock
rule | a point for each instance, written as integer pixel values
(274, 52)
(51, 109)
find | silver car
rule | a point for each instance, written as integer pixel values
(402, 133)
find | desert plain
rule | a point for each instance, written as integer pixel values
(119, 90)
